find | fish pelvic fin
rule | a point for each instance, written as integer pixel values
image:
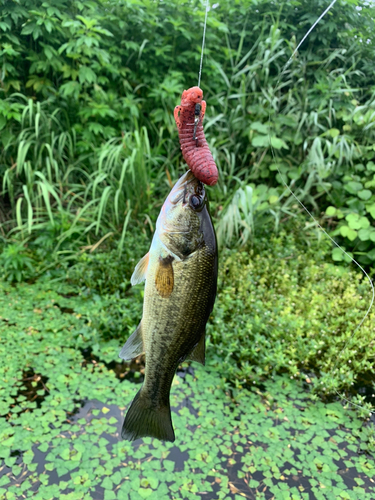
(144, 420)
(139, 274)
(133, 346)
(199, 351)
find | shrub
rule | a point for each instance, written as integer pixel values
(108, 272)
(283, 307)
(88, 92)
(16, 263)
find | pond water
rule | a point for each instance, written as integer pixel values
(274, 443)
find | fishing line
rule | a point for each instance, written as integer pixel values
(310, 214)
(204, 37)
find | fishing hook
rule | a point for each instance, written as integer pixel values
(197, 113)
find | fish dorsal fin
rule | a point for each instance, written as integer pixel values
(164, 278)
(140, 270)
(133, 346)
(198, 353)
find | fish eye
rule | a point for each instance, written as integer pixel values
(195, 201)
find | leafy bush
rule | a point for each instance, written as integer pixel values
(16, 263)
(87, 127)
(354, 212)
(283, 307)
(108, 272)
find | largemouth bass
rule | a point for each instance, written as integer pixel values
(180, 270)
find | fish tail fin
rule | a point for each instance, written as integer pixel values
(142, 419)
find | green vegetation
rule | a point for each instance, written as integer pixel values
(88, 90)
(283, 307)
(276, 443)
(88, 152)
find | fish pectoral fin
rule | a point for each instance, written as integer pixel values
(133, 346)
(140, 270)
(198, 353)
(164, 277)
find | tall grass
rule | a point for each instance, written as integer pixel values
(52, 185)
(312, 141)
(63, 177)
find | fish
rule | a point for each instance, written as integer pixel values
(180, 271)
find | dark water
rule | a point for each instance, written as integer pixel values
(233, 463)
(30, 391)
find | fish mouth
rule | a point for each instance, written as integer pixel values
(186, 185)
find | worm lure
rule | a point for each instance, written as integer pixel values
(189, 120)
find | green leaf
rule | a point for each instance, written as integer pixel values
(334, 132)
(331, 211)
(260, 127)
(260, 141)
(264, 141)
(86, 74)
(145, 493)
(107, 483)
(364, 222)
(352, 234)
(109, 495)
(43, 447)
(364, 234)
(154, 482)
(65, 453)
(4, 480)
(337, 255)
(273, 199)
(371, 210)
(353, 187)
(168, 465)
(365, 194)
(354, 221)
(70, 89)
(278, 143)
(28, 29)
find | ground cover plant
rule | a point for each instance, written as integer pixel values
(64, 394)
(89, 141)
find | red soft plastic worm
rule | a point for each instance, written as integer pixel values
(195, 150)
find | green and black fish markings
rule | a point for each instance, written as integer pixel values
(180, 270)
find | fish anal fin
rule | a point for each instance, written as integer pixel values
(133, 346)
(198, 353)
(143, 419)
(164, 278)
(140, 270)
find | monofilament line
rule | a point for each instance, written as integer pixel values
(204, 37)
(310, 214)
(303, 39)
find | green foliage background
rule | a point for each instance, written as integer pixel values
(89, 150)
(88, 90)
(235, 439)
